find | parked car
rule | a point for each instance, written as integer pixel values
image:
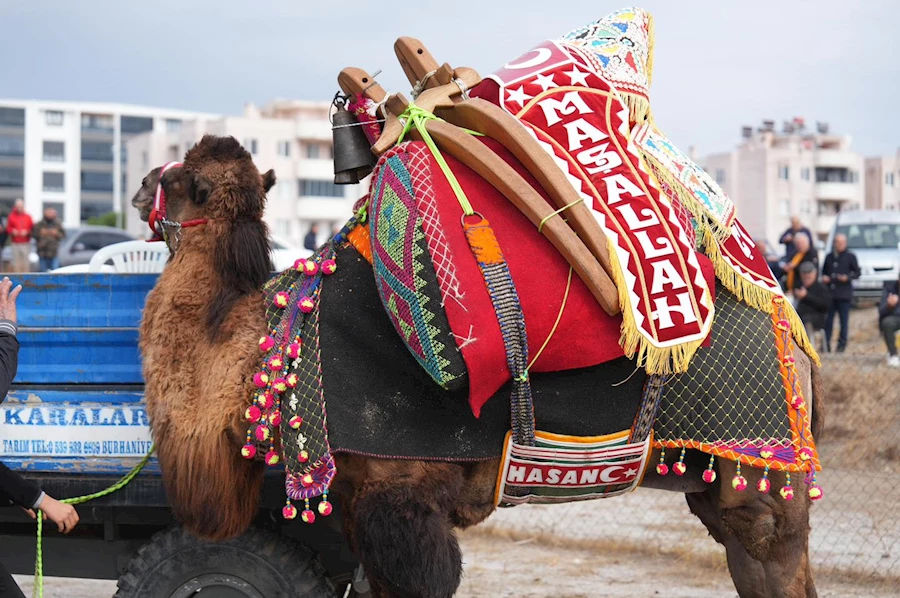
(81, 243)
(874, 236)
(284, 254)
(6, 257)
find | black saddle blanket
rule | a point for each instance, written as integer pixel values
(379, 401)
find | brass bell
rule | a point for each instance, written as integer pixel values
(353, 159)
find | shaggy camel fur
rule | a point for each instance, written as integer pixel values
(199, 336)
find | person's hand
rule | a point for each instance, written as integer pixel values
(64, 516)
(30, 512)
(788, 238)
(826, 279)
(8, 299)
(788, 267)
(843, 277)
(892, 300)
(800, 293)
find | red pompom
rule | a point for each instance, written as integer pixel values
(308, 516)
(292, 380)
(325, 508)
(275, 419)
(310, 268)
(260, 379)
(709, 476)
(306, 304)
(266, 343)
(289, 511)
(679, 468)
(281, 299)
(662, 469)
(805, 453)
(299, 264)
(272, 458)
(739, 483)
(262, 433)
(329, 267)
(307, 480)
(763, 485)
(787, 493)
(248, 451)
(275, 363)
(279, 385)
(293, 350)
(815, 492)
(252, 414)
(295, 422)
(267, 400)
(303, 457)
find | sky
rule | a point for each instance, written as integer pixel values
(718, 65)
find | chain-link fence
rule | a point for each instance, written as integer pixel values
(855, 527)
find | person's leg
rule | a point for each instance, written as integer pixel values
(829, 323)
(21, 253)
(844, 313)
(8, 586)
(54, 262)
(889, 328)
(44, 264)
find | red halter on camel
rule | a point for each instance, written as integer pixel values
(157, 220)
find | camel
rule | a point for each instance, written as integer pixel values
(199, 344)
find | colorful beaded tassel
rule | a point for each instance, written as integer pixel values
(662, 468)
(679, 468)
(787, 492)
(815, 491)
(709, 476)
(739, 482)
(764, 484)
(308, 516)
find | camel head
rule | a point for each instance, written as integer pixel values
(143, 199)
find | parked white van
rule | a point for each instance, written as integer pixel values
(874, 236)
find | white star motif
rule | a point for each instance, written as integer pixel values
(577, 77)
(296, 363)
(630, 473)
(301, 441)
(518, 95)
(545, 81)
(294, 401)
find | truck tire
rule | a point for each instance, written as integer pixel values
(257, 564)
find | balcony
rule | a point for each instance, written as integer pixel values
(834, 158)
(837, 191)
(314, 130)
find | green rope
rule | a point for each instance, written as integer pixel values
(416, 117)
(552, 214)
(38, 587)
(562, 308)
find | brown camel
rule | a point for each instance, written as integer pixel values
(199, 341)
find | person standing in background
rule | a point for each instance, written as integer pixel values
(19, 225)
(804, 253)
(889, 319)
(813, 299)
(310, 241)
(48, 233)
(787, 239)
(838, 272)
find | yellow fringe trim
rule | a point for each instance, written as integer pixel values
(651, 44)
(656, 360)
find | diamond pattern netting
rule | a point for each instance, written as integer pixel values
(733, 390)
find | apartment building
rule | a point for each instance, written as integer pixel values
(72, 155)
(775, 174)
(883, 183)
(291, 137)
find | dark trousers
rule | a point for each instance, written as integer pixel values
(8, 586)
(889, 328)
(842, 308)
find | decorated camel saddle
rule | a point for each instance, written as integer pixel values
(537, 220)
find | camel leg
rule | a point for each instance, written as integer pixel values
(402, 531)
(766, 538)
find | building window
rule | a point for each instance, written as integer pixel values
(96, 181)
(804, 174)
(96, 240)
(55, 181)
(59, 206)
(53, 118)
(284, 149)
(96, 151)
(173, 153)
(12, 117)
(830, 174)
(102, 123)
(136, 124)
(805, 207)
(251, 145)
(784, 173)
(316, 188)
(785, 207)
(173, 125)
(720, 176)
(889, 179)
(12, 177)
(12, 146)
(54, 151)
(145, 160)
(312, 151)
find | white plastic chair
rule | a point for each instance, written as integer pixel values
(80, 269)
(132, 257)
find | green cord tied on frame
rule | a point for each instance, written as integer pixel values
(38, 587)
(416, 117)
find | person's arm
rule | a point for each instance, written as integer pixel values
(855, 270)
(22, 492)
(883, 309)
(818, 297)
(787, 237)
(9, 344)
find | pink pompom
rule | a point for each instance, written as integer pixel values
(763, 485)
(252, 414)
(787, 493)
(766, 453)
(262, 433)
(679, 468)
(292, 380)
(293, 351)
(739, 483)
(783, 325)
(260, 379)
(272, 458)
(299, 264)
(788, 362)
(805, 453)
(295, 422)
(306, 304)
(281, 299)
(275, 363)
(248, 451)
(325, 508)
(329, 267)
(280, 385)
(797, 402)
(275, 419)
(266, 400)
(303, 457)
(662, 469)
(266, 343)
(815, 492)
(289, 511)
(307, 480)
(308, 516)
(310, 268)
(709, 476)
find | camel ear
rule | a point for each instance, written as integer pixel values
(200, 189)
(268, 180)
